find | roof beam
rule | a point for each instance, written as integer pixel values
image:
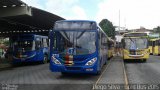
(15, 11)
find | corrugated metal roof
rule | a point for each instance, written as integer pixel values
(39, 22)
(11, 3)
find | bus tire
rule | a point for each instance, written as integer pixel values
(64, 73)
(99, 72)
(144, 60)
(109, 58)
(45, 59)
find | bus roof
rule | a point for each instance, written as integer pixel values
(135, 34)
(75, 21)
(93, 25)
(154, 39)
(75, 25)
(29, 36)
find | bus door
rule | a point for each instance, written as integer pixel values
(158, 46)
(104, 50)
(150, 46)
(153, 47)
(39, 49)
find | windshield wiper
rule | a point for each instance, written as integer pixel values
(80, 34)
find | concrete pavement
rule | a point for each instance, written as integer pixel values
(4, 63)
(39, 77)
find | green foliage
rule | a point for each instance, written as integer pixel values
(6, 42)
(108, 28)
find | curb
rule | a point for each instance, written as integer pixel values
(3, 66)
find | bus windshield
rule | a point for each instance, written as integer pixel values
(26, 45)
(136, 43)
(75, 42)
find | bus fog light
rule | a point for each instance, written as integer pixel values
(91, 62)
(55, 60)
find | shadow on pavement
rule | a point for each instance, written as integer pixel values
(81, 75)
(134, 61)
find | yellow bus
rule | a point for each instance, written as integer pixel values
(135, 46)
(154, 46)
(110, 48)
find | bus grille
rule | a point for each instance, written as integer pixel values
(135, 52)
(73, 68)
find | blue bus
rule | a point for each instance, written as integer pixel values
(29, 48)
(77, 46)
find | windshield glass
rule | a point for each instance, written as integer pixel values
(75, 42)
(23, 45)
(136, 43)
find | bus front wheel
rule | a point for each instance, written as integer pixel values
(99, 72)
(64, 73)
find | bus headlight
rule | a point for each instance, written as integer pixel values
(56, 61)
(91, 62)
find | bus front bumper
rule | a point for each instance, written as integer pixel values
(73, 69)
(22, 60)
(146, 56)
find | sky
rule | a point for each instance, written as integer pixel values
(133, 13)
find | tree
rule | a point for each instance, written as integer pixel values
(108, 28)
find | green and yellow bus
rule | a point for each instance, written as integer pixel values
(154, 46)
(135, 46)
(154, 43)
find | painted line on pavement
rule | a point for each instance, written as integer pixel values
(102, 74)
(126, 85)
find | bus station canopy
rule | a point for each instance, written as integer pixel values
(16, 17)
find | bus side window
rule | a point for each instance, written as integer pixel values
(104, 41)
(45, 43)
(156, 42)
(101, 38)
(123, 43)
(42, 42)
(153, 43)
(38, 43)
(150, 43)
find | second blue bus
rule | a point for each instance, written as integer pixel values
(29, 48)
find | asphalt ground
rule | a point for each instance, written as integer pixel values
(144, 76)
(4, 63)
(39, 77)
(116, 75)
